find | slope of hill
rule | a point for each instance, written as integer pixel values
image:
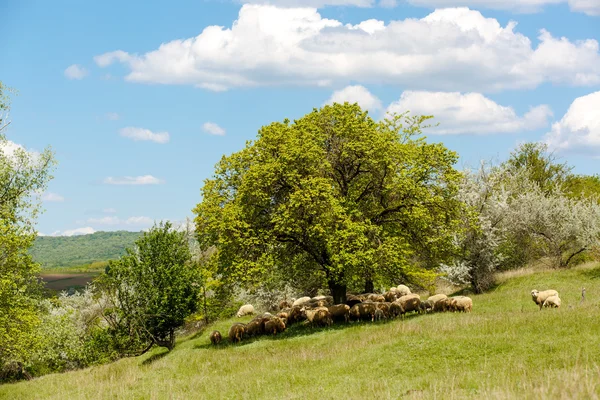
(506, 348)
(63, 251)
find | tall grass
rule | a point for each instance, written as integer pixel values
(506, 348)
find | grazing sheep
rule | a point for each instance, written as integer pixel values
(391, 296)
(340, 312)
(215, 337)
(409, 302)
(395, 309)
(539, 297)
(363, 311)
(462, 303)
(283, 314)
(552, 301)
(255, 327)
(431, 300)
(274, 325)
(352, 300)
(443, 305)
(377, 298)
(295, 315)
(247, 309)
(301, 301)
(283, 304)
(320, 317)
(403, 290)
(378, 315)
(385, 308)
(393, 289)
(237, 332)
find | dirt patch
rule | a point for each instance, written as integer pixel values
(58, 282)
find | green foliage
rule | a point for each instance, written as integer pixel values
(154, 287)
(23, 176)
(539, 166)
(335, 196)
(63, 251)
(583, 186)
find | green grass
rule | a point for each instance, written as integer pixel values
(506, 348)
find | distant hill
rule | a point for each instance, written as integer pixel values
(69, 251)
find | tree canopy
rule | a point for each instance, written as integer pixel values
(335, 194)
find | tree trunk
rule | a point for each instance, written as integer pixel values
(338, 292)
(369, 286)
(169, 343)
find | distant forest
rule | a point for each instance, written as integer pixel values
(70, 251)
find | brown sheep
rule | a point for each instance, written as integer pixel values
(391, 296)
(255, 327)
(363, 311)
(431, 300)
(274, 325)
(340, 312)
(237, 332)
(409, 302)
(377, 298)
(385, 308)
(215, 337)
(462, 304)
(443, 305)
(352, 300)
(539, 297)
(378, 315)
(320, 317)
(395, 309)
(295, 315)
(283, 304)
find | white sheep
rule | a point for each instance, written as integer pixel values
(246, 309)
(539, 297)
(301, 301)
(402, 290)
(552, 301)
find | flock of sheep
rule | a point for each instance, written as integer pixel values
(320, 310)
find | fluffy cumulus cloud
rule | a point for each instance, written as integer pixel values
(52, 197)
(76, 72)
(213, 129)
(141, 134)
(140, 221)
(469, 113)
(590, 7)
(449, 49)
(579, 129)
(73, 232)
(313, 3)
(133, 180)
(356, 94)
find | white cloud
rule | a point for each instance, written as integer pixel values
(76, 71)
(213, 129)
(109, 211)
(133, 180)
(313, 3)
(579, 129)
(75, 232)
(356, 94)
(469, 113)
(112, 116)
(590, 7)
(134, 221)
(141, 134)
(52, 197)
(454, 49)
(10, 150)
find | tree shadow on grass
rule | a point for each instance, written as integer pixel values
(297, 330)
(591, 273)
(154, 357)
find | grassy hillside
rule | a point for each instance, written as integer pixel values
(63, 251)
(506, 348)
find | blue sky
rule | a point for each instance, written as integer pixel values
(139, 100)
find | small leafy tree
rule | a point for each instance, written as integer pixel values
(154, 287)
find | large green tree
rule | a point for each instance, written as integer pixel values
(23, 176)
(154, 287)
(337, 194)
